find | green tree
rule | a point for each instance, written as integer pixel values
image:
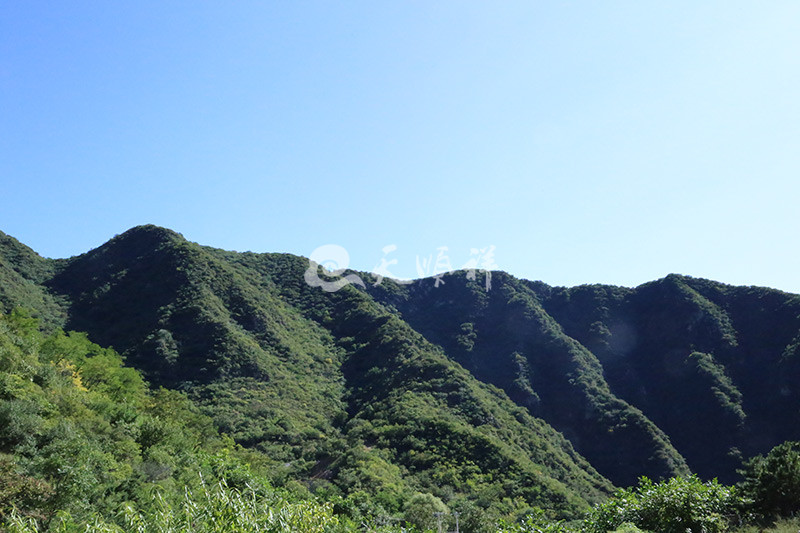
(773, 482)
(676, 505)
(421, 510)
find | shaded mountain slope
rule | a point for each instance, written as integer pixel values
(710, 364)
(617, 370)
(505, 337)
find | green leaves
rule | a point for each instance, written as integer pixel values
(773, 481)
(209, 509)
(676, 505)
(425, 511)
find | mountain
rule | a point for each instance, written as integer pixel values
(712, 367)
(332, 388)
(22, 273)
(506, 337)
(524, 394)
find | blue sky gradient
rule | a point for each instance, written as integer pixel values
(588, 142)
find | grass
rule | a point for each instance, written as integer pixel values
(782, 526)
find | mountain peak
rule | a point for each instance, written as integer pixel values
(137, 241)
(149, 232)
(23, 259)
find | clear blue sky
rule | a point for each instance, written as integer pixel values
(608, 142)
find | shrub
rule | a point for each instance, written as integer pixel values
(676, 505)
(773, 482)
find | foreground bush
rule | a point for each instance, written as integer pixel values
(676, 505)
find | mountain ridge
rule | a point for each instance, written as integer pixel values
(438, 387)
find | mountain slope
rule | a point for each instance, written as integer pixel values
(710, 364)
(504, 398)
(332, 386)
(22, 272)
(676, 372)
(505, 337)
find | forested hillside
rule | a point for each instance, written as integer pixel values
(487, 402)
(676, 372)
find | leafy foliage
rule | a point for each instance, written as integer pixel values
(773, 481)
(81, 432)
(214, 509)
(676, 505)
(424, 511)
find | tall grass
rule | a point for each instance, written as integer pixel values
(214, 509)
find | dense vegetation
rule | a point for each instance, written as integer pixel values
(242, 387)
(81, 433)
(677, 374)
